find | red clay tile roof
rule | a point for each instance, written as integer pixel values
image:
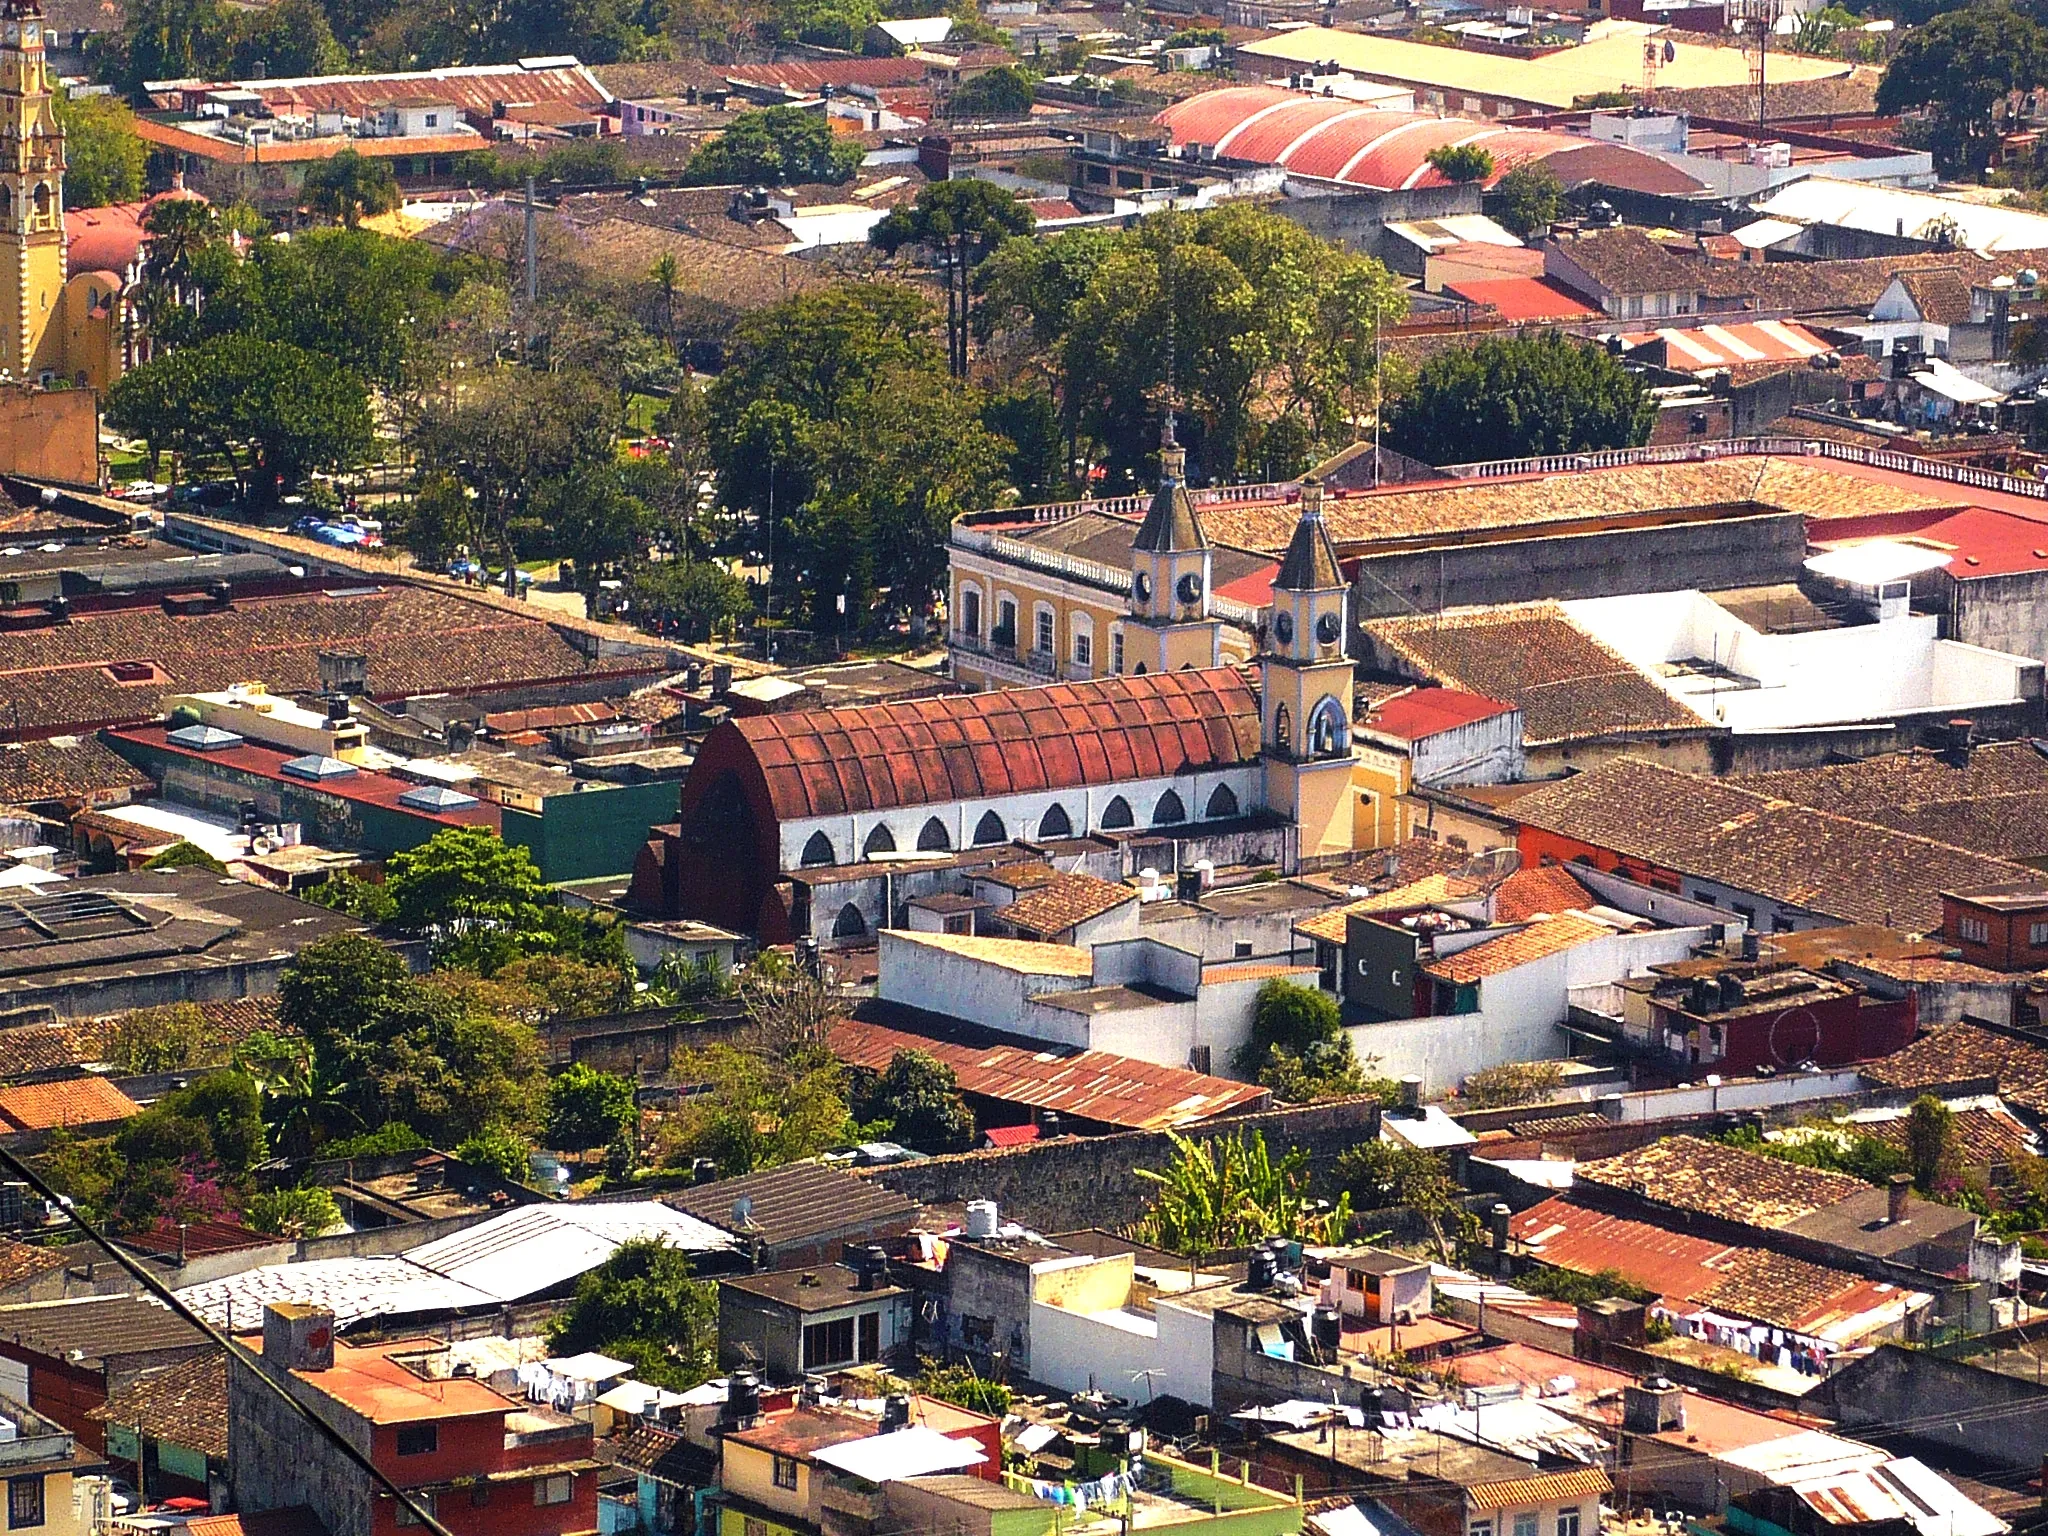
(298, 1520)
(71, 1102)
(1510, 951)
(1713, 1179)
(1550, 888)
(1568, 685)
(417, 640)
(1091, 1085)
(1982, 1137)
(1962, 1053)
(1750, 1282)
(1058, 904)
(67, 768)
(1015, 741)
(1539, 1488)
(1833, 865)
(1010, 1135)
(185, 1404)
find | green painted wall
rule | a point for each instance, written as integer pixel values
(593, 833)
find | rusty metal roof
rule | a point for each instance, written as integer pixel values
(1015, 741)
(1091, 1085)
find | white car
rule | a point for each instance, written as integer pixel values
(143, 490)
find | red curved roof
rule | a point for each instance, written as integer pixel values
(103, 239)
(876, 757)
(1343, 141)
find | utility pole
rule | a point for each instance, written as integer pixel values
(532, 256)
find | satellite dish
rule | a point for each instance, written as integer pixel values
(1490, 866)
(743, 1211)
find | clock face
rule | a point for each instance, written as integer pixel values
(31, 36)
(1328, 629)
(1189, 588)
(1283, 627)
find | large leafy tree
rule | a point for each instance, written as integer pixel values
(1961, 67)
(1528, 198)
(1382, 1174)
(349, 187)
(1270, 331)
(104, 157)
(776, 146)
(838, 438)
(588, 1108)
(643, 1304)
(1297, 1046)
(1519, 398)
(285, 39)
(515, 438)
(270, 410)
(386, 1046)
(960, 223)
(920, 1098)
(172, 40)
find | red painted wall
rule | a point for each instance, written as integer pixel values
(1832, 1033)
(1539, 847)
(473, 1446)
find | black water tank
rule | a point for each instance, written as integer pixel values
(1260, 1277)
(1329, 1328)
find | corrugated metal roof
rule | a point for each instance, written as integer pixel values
(353, 1289)
(805, 1202)
(526, 1251)
(1094, 1085)
(1543, 1488)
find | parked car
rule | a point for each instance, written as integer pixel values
(143, 490)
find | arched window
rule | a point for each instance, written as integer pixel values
(1329, 729)
(970, 610)
(1054, 823)
(990, 829)
(933, 837)
(1283, 730)
(818, 851)
(1170, 809)
(6, 202)
(42, 198)
(1222, 803)
(1117, 814)
(881, 840)
(849, 924)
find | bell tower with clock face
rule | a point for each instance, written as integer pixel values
(32, 267)
(1170, 625)
(1305, 686)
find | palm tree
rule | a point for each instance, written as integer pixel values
(666, 274)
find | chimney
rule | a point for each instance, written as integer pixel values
(721, 679)
(1752, 944)
(1958, 742)
(1652, 1406)
(1896, 1191)
(895, 1413)
(298, 1337)
(1498, 1222)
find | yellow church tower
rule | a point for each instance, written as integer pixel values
(31, 198)
(1170, 625)
(1305, 685)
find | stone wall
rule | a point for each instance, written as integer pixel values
(1075, 1182)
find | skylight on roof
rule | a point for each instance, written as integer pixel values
(436, 797)
(315, 766)
(203, 738)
